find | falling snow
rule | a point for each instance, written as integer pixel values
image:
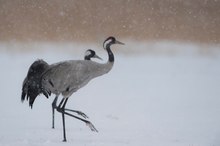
(162, 91)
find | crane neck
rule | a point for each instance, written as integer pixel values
(110, 54)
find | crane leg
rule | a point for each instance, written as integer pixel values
(62, 110)
(54, 106)
(88, 123)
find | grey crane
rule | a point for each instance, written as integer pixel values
(32, 83)
(68, 76)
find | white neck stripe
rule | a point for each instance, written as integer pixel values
(106, 43)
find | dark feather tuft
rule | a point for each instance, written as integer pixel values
(32, 83)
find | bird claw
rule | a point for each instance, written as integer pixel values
(79, 113)
(91, 126)
(82, 114)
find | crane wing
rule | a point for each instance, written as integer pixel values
(68, 76)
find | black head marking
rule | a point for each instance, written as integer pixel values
(89, 54)
(109, 41)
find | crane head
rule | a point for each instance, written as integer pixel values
(110, 41)
(91, 54)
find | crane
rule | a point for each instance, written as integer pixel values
(67, 77)
(32, 83)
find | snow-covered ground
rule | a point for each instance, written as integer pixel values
(167, 97)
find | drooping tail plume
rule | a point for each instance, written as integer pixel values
(32, 83)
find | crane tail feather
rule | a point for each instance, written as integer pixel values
(23, 95)
(24, 89)
(32, 83)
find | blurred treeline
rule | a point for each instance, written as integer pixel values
(90, 20)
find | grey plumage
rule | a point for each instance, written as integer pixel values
(69, 76)
(32, 87)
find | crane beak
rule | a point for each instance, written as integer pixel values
(118, 42)
(96, 56)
